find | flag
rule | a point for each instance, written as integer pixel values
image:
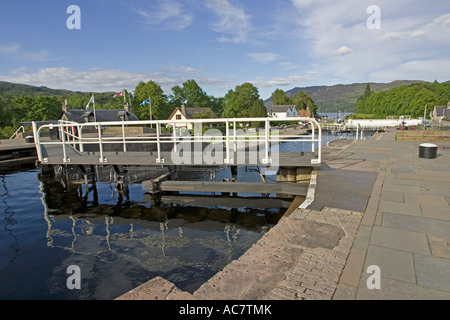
(90, 101)
(120, 94)
(145, 102)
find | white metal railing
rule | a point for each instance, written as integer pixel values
(17, 132)
(77, 135)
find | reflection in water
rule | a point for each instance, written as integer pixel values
(9, 221)
(186, 244)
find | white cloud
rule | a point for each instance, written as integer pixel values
(410, 32)
(342, 51)
(101, 80)
(302, 3)
(234, 23)
(442, 20)
(428, 70)
(263, 57)
(165, 14)
(9, 48)
(288, 66)
(396, 36)
(293, 80)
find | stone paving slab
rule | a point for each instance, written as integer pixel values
(400, 239)
(394, 290)
(405, 227)
(156, 289)
(393, 263)
(419, 224)
(432, 272)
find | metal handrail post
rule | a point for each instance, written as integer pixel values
(37, 141)
(123, 138)
(234, 136)
(158, 142)
(174, 138)
(267, 137)
(80, 137)
(313, 132)
(63, 140)
(319, 152)
(100, 142)
(227, 142)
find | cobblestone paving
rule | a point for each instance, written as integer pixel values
(301, 258)
(316, 273)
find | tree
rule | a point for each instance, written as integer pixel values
(361, 101)
(191, 94)
(159, 106)
(206, 113)
(258, 110)
(239, 101)
(217, 105)
(43, 108)
(279, 98)
(405, 100)
(6, 111)
(303, 101)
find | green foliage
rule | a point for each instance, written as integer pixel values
(279, 98)
(191, 95)
(239, 101)
(405, 100)
(159, 106)
(23, 108)
(343, 97)
(302, 100)
(257, 110)
(205, 114)
(217, 105)
(362, 100)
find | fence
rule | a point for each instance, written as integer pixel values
(77, 136)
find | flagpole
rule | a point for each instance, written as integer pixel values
(95, 115)
(151, 118)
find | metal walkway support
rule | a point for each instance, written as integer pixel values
(210, 142)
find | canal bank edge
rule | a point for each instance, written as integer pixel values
(301, 257)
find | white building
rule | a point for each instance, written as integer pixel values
(282, 111)
(183, 115)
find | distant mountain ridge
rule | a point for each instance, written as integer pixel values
(16, 89)
(342, 97)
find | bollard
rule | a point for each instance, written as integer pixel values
(428, 151)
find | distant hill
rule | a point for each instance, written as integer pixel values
(342, 97)
(16, 89)
(76, 99)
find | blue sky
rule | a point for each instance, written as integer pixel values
(223, 43)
